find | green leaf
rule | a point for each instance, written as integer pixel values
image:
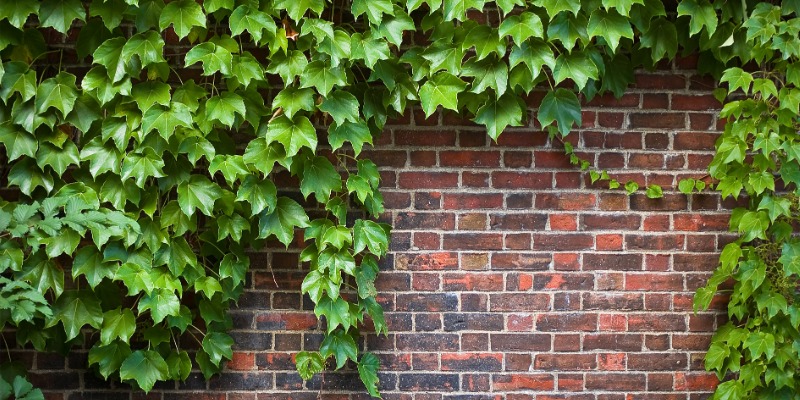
(701, 14)
(146, 367)
(561, 106)
(323, 76)
(554, 7)
(576, 66)
(316, 284)
(498, 114)
(57, 158)
(320, 178)
(58, 92)
(110, 12)
(89, 263)
(148, 93)
(109, 55)
(142, 165)
(488, 73)
(309, 364)
(223, 107)
(737, 78)
(373, 8)
(342, 106)
(297, 8)
(234, 268)
(609, 25)
(760, 343)
(117, 324)
(371, 235)
(442, 89)
(289, 66)
(263, 156)
(76, 308)
(213, 57)
(340, 345)
(109, 358)
(261, 194)
(59, 14)
(661, 39)
(654, 192)
(198, 193)
(282, 221)
(535, 54)
(245, 68)
(165, 121)
(161, 303)
(369, 49)
(368, 372)
(753, 225)
(218, 346)
(291, 100)
(17, 11)
(716, 355)
(147, 47)
(17, 142)
(521, 27)
(355, 133)
(182, 15)
(17, 78)
(293, 133)
(252, 21)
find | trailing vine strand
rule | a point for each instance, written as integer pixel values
(150, 141)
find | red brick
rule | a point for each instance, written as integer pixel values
(565, 362)
(521, 180)
(469, 159)
(523, 382)
(428, 180)
(658, 120)
(471, 201)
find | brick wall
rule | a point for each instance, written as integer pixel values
(511, 276)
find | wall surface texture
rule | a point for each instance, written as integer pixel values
(511, 276)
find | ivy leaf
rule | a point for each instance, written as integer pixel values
(58, 92)
(737, 78)
(17, 142)
(609, 25)
(253, 21)
(561, 106)
(263, 156)
(753, 225)
(102, 158)
(223, 107)
(146, 367)
(109, 55)
(17, 78)
(117, 324)
(446, 56)
(213, 57)
(369, 49)
(368, 372)
(576, 66)
(234, 268)
(76, 308)
(370, 235)
(161, 303)
(218, 346)
(622, 6)
(109, 358)
(293, 134)
(340, 345)
(89, 263)
(59, 159)
(309, 364)
(142, 165)
(17, 11)
(148, 93)
(232, 167)
(521, 27)
(392, 28)
(182, 15)
(245, 68)
(282, 221)
(198, 193)
(320, 178)
(701, 14)
(323, 76)
(554, 7)
(373, 8)
(498, 114)
(291, 100)
(165, 121)
(147, 47)
(59, 14)
(336, 312)
(109, 11)
(261, 194)
(289, 66)
(457, 9)
(297, 8)
(535, 54)
(135, 277)
(661, 39)
(760, 343)
(342, 106)
(355, 133)
(442, 89)
(567, 29)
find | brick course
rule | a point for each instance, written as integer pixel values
(511, 276)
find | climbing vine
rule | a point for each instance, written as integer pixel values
(151, 142)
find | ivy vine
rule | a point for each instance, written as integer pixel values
(144, 178)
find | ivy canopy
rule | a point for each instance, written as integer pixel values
(144, 177)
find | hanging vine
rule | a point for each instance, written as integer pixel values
(145, 177)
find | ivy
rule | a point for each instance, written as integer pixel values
(146, 190)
